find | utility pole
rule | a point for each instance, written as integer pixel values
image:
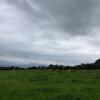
(57, 62)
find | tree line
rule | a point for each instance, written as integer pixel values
(95, 65)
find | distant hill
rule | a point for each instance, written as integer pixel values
(34, 64)
(8, 64)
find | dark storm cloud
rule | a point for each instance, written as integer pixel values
(45, 30)
(73, 16)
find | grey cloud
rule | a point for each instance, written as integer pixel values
(73, 16)
(43, 31)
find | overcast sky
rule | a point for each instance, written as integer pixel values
(43, 31)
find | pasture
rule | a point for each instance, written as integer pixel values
(50, 85)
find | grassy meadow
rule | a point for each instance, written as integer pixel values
(50, 85)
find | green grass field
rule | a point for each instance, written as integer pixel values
(50, 85)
